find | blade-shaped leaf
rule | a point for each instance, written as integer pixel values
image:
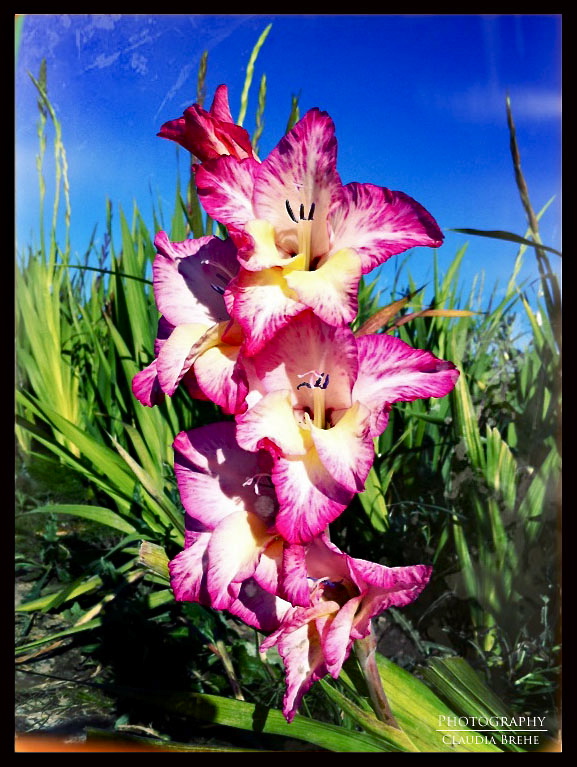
(497, 234)
(95, 513)
(459, 684)
(396, 739)
(420, 713)
(257, 718)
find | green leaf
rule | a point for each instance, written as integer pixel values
(257, 718)
(95, 623)
(102, 457)
(419, 712)
(94, 736)
(95, 513)
(459, 684)
(91, 584)
(373, 501)
(115, 273)
(396, 739)
(466, 423)
(159, 502)
(497, 234)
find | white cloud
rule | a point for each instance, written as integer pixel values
(486, 104)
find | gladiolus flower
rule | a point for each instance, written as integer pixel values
(304, 239)
(317, 398)
(230, 509)
(197, 341)
(345, 593)
(209, 134)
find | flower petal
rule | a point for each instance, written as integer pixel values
(309, 497)
(163, 332)
(306, 343)
(331, 290)
(337, 640)
(303, 658)
(346, 450)
(177, 355)
(190, 277)
(325, 560)
(187, 570)
(220, 108)
(301, 170)
(214, 474)
(269, 564)
(294, 586)
(379, 223)
(257, 607)
(392, 371)
(271, 418)
(220, 377)
(209, 134)
(262, 304)
(262, 252)
(225, 188)
(233, 553)
(385, 587)
(146, 388)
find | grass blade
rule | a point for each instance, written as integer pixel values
(497, 234)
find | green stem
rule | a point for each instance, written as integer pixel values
(365, 650)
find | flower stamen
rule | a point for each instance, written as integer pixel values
(318, 382)
(255, 479)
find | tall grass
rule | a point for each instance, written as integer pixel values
(469, 481)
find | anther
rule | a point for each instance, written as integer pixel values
(223, 274)
(218, 288)
(304, 383)
(326, 383)
(255, 480)
(302, 212)
(311, 212)
(290, 211)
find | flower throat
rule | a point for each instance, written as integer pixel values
(318, 382)
(304, 229)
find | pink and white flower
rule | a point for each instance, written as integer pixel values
(197, 342)
(209, 134)
(303, 238)
(345, 593)
(317, 398)
(230, 509)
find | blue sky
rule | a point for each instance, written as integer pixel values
(418, 102)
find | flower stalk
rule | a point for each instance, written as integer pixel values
(365, 651)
